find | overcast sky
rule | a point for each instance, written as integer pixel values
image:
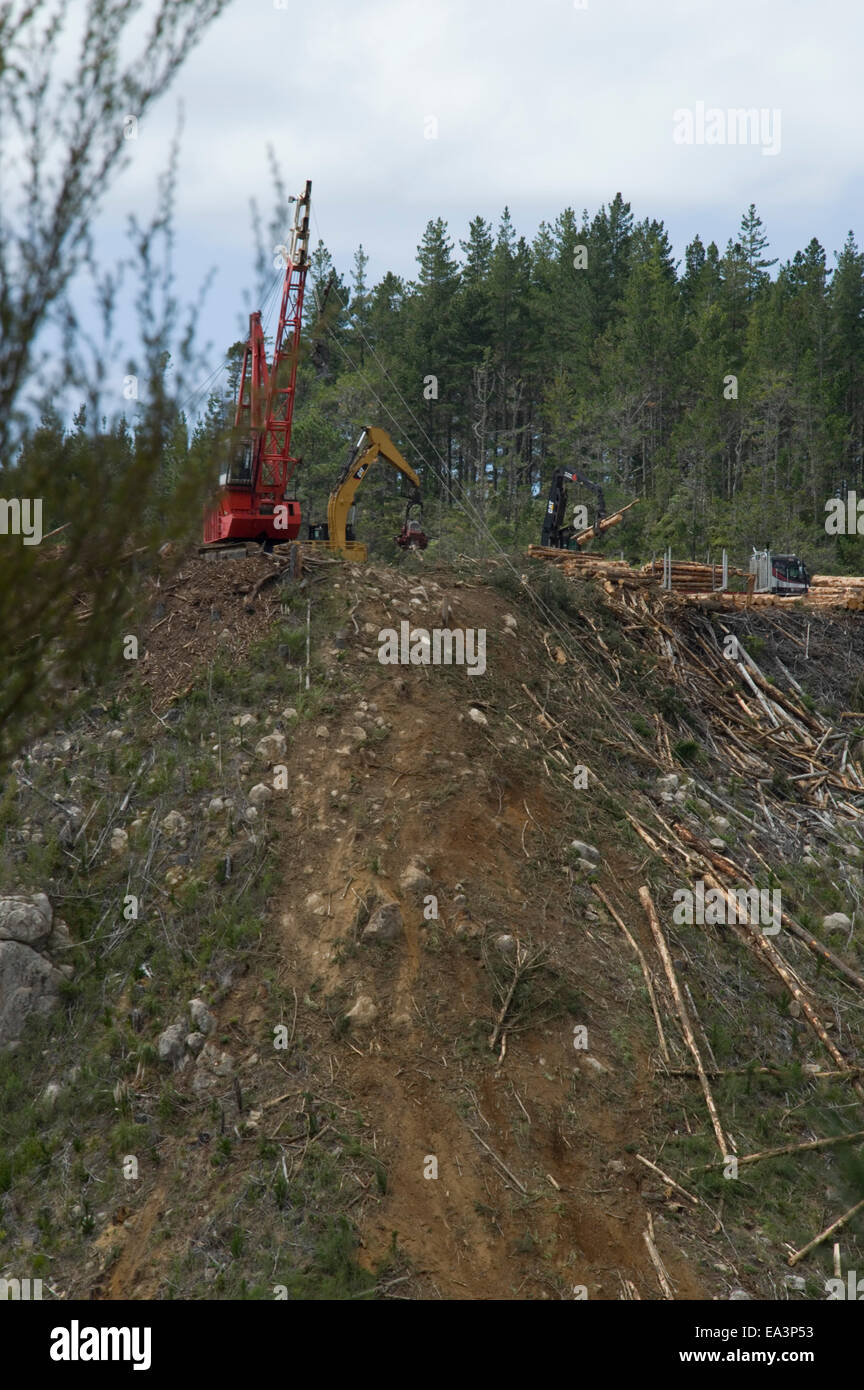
(539, 104)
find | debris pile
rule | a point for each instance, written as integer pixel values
(764, 729)
(208, 609)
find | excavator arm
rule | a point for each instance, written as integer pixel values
(373, 443)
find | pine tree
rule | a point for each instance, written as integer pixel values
(846, 302)
(753, 242)
(359, 306)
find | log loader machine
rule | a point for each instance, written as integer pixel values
(557, 534)
(337, 533)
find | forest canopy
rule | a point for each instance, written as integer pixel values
(725, 390)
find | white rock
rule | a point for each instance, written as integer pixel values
(364, 1012)
(837, 921)
(201, 1016)
(271, 748)
(595, 1065)
(586, 851)
(173, 824)
(28, 984)
(415, 880)
(119, 842)
(322, 731)
(25, 918)
(510, 621)
(478, 716)
(172, 1044)
(289, 713)
(216, 806)
(259, 794)
(243, 721)
(385, 924)
(668, 783)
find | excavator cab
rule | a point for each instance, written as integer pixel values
(320, 531)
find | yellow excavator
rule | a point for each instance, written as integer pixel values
(336, 535)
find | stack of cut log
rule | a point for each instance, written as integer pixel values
(583, 564)
(698, 583)
(689, 577)
(725, 600)
(837, 591)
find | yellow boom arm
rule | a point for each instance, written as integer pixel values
(371, 444)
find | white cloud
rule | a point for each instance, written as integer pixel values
(539, 105)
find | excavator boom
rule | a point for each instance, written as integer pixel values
(373, 443)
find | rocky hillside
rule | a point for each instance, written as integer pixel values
(328, 978)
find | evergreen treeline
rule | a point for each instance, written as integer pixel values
(726, 391)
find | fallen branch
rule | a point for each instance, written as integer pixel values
(657, 930)
(770, 953)
(799, 1148)
(823, 1235)
(662, 1277)
(666, 1178)
(500, 1162)
(646, 973)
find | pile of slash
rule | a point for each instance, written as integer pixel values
(763, 765)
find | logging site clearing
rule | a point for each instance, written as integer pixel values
(505, 1066)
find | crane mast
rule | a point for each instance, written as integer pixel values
(252, 504)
